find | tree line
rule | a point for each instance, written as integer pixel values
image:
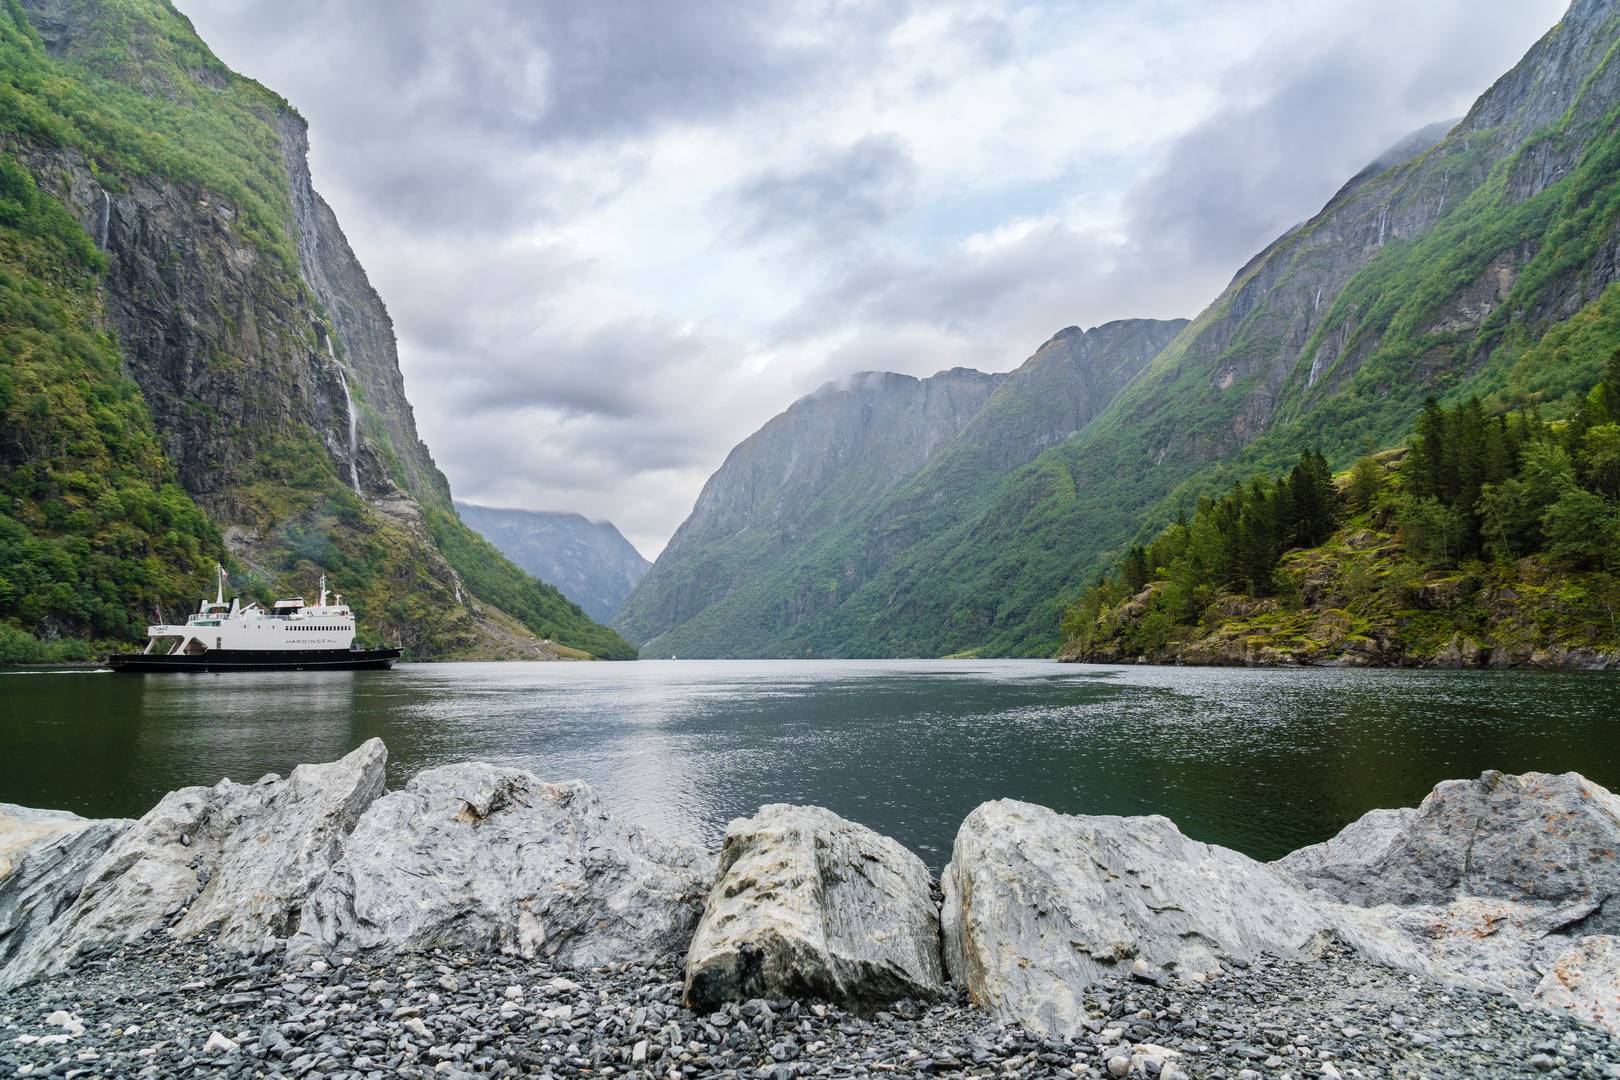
(1470, 486)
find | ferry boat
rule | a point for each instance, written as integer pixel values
(288, 636)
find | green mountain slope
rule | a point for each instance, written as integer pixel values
(188, 328)
(806, 511)
(1433, 277)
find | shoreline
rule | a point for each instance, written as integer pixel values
(324, 914)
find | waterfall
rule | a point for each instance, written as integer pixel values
(354, 419)
(354, 436)
(106, 215)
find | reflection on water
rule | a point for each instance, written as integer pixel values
(1259, 760)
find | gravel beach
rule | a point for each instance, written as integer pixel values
(158, 1008)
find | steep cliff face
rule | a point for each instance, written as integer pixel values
(265, 359)
(590, 561)
(1433, 276)
(806, 510)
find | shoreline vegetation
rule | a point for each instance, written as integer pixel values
(1492, 540)
(479, 920)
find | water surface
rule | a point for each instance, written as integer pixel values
(1259, 760)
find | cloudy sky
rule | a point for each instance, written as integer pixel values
(616, 236)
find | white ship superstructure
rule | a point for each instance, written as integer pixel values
(290, 633)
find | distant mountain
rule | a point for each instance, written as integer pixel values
(197, 369)
(807, 509)
(1431, 272)
(590, 561)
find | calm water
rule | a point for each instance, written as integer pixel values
(1262, 761)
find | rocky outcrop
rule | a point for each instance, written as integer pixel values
(44, 857)
(808, 904)
(233, 858)
(590, 561)
(1492, 883)
(1040, 905)
(476, 856)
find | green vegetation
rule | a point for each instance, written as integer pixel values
(538, 606)
(1237, 395)
(1483, 511)
(140, 94)
(94, 532)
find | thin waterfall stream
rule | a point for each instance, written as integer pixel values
(354, 419)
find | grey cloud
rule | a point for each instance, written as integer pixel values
(1301, 122)
(860, 188)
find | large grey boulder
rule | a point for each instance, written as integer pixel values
(238, 859)
(475, 856)
(1534, 838)
(1492, 883)
(44, 858)
(1040, 905)
(809, 904)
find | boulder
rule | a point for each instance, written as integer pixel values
(44, 857)
(808, 904)
(23, 826)
(1583, 981)
(238, 859)
(1533, 838)
(1492, 883)
(277, 842)
(1040, 905)
(475, 856)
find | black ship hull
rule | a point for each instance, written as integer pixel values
(259, 660)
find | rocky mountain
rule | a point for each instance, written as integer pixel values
(806, 510)
(590, 561)
(202, 368)
(1431, 272)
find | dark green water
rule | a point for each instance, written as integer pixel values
(1262, 761)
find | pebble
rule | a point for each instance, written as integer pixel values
(446, 1016)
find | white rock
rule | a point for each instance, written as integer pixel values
(1481, 885)
(477, 857)
(218, 1044)
(1039, 906)
(44, 858)
(513, 993)
(260, 848)
(809, 904)
(417, 1027)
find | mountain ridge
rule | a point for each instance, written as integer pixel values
(743, 557)
(1432, 276)
(590, 561)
